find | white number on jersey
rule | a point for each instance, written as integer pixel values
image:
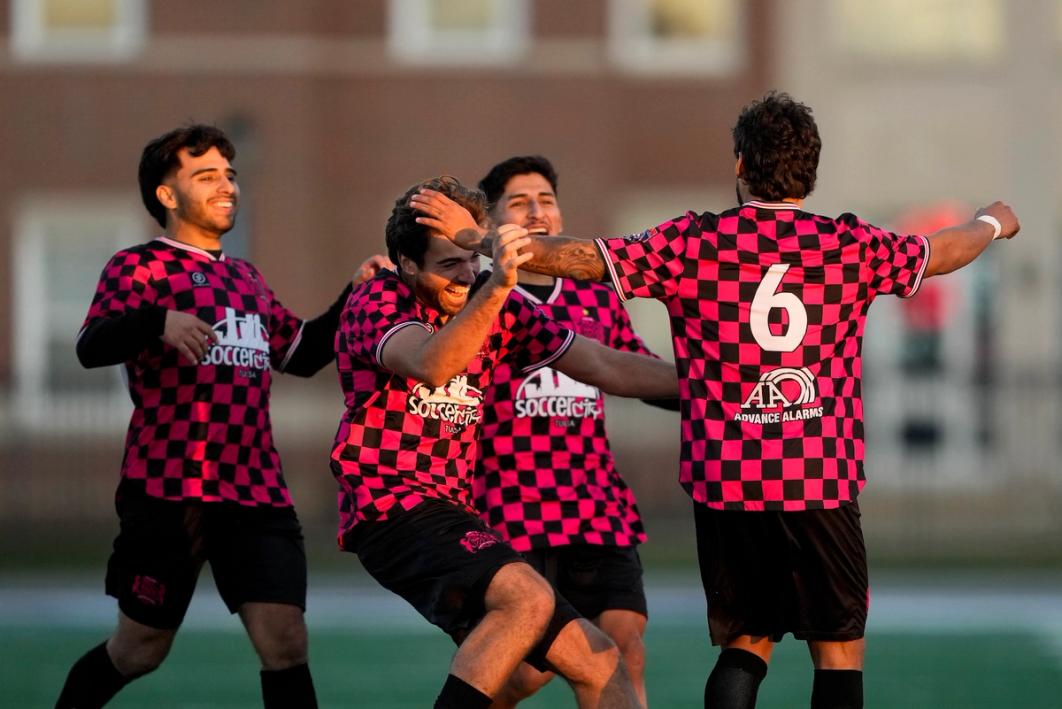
(766, 300)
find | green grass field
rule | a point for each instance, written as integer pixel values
(388, 670)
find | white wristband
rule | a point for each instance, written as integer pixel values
(989, 219)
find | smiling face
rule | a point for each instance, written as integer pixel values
(201, 197)
(529, 201)
(443, 282)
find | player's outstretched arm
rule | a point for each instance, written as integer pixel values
(952, 248)
(619, 373)
(562, 256)
(316, 346)
(435, 358)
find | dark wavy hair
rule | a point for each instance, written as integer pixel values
(779, 146)
(406, 237)
(493, 185)
(160, 159)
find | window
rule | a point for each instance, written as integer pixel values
(61, 246)
(77, 30)
(459, 31)
(677, 36)
(920, 31)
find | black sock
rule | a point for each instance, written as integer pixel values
(459, 694)
(288, 689)
(837, 689)
(735, 680)
(92, 681)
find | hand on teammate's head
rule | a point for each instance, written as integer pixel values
(446, 217)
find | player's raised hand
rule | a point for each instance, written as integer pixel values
(507, 255)
(1002, 213)
(370, 267)
(448, 218)
(191, 336)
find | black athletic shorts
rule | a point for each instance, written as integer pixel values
(592, 577)
(766, 574)
(441, 559)
(256, 555)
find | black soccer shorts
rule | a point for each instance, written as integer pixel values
(594, 578)
(256, 555)
(766, 574)
(441, 559)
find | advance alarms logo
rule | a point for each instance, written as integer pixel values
(547, 392)
(242, 342)
(781, 395)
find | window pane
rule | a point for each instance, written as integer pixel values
(691, 19)
(79, 14)
(921, 30)
(459, 15)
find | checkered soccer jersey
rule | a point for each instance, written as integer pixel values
(401, 441)
(545, 475)
(767, 306)
(201, 431)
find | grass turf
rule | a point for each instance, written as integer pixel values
(384, 670)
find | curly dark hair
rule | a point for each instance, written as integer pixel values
(779, 146)
(406, 237)
(159, 159)
(493, 185)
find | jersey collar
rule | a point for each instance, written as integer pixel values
(188, 247)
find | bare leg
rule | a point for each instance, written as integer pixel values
(519, 605)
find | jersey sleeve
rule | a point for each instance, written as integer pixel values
(895, 263)
(124, 286)
(285, 332)
(373, 314)
(648, 264)
(531, 340)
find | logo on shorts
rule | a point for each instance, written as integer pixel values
(149, 590)
(474, 541)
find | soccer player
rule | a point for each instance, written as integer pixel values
(768, 303)
(545, 478)
(197, 333)
(416, 348)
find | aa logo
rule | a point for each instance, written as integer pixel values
(782, 388)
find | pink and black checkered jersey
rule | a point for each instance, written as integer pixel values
(767, 306)
(201, 431)
(545, 475)
(401, 441)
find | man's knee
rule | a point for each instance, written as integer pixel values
(278, 634)
(139, 652)
(582, 653)
(519, 591)
(626, 629)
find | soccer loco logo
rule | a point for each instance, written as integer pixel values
(242, 342)
(547, 392)
(781, 394)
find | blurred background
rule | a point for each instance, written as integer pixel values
(927, 110)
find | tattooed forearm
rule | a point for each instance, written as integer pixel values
(566, 257)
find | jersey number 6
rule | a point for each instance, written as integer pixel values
(766, 300)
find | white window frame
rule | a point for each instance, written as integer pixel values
(633, 47)
(34, 407)
(32, 40)
(411, 38)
